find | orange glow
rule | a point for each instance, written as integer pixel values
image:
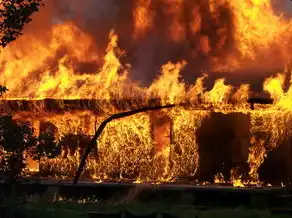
(143, 17)
(175, 9)
(259, 30)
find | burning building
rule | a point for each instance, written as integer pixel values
(66, 84)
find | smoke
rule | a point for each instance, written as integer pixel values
(282, 7)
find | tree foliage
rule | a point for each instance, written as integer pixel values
(17, 140)
(14, 15)
(3, 90)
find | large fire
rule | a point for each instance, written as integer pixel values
(165, 145)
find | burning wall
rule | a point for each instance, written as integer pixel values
(184, 144)
(64, 78)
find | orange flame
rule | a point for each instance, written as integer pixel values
(143, 17)
(175, 9)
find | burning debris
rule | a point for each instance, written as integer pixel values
(65, 85)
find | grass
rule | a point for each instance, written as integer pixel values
(137, 209)
(181, 209)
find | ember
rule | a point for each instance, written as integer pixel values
(67, 86)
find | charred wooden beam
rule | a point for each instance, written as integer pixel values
(253, 101)
(97, 106)
(66, 105)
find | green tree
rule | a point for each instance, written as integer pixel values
(14, 15)
(17, 139)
